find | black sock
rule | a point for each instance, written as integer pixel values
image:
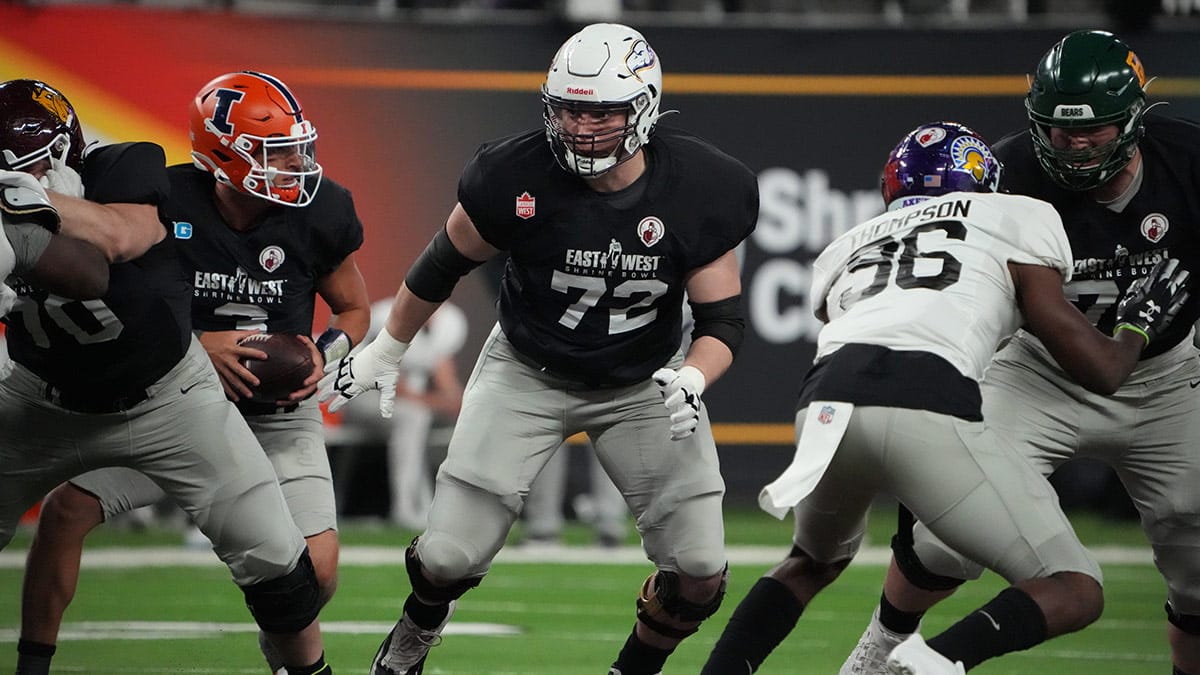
(317, 668)
(1010, 622)
(896, 620)
(33, 658)
(639, 658)
(1174, 671)
(759, 623)
(426, 616)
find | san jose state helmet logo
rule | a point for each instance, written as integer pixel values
(971, 155)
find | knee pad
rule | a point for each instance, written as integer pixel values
(910, 564)
(289, 603)
(428, 592)
(661, 606)
(1188, 623)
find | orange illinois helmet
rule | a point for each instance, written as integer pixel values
(248, 130)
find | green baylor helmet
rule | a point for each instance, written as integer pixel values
(1088, 79)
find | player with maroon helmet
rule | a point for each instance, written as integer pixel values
(252, 242)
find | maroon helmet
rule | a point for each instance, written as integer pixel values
(37, 122)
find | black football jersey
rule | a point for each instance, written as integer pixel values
(263, 278)
(1112, 249)
(140, 329)
(593, 288)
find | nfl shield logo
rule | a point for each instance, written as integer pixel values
(525, 206)
(826, 414)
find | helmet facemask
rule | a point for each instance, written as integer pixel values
(295, 162)
(56, 152)
(1081, 169)
(593, 154)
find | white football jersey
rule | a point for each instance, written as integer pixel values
(934, 277)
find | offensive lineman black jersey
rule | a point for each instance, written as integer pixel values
(263, 278)
(1112, 249)
(140, 329)
(593, 288)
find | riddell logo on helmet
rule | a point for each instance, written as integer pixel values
(581, 91)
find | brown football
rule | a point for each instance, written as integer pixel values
(289, 362)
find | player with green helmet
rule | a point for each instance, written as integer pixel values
(1089, 79)
(1125, 184)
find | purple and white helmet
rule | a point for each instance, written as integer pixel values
(935, 159)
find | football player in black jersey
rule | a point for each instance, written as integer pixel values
(121, 381)
(1127, 185)
(254, 265)
(605, 226)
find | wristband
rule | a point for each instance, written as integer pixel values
(390, 349)
(333, 344)
(1133, 328)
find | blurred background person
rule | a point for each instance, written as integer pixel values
(428, 389)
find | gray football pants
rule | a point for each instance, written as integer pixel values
(186, 437)
(1148, 431)
(293, 441)
(514, 417)
(954, 475)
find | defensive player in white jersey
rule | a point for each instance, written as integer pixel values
(1125, 180)
(924, 294)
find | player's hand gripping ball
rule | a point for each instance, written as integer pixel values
(289, 362)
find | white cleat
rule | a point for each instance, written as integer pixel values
(404, 649)
(870, 654)
(914, 657)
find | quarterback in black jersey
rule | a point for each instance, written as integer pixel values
(1127, 185)
(605, 227)
(122, 382)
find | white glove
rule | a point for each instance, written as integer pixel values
(22, 195)
(375, 367)
(62, 179)
(681, 391)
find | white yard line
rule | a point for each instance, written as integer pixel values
(180, 556)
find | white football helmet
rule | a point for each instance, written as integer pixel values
(605, 67)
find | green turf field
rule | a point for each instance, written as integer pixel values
(535, 617)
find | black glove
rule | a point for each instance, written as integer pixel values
(1152, 301)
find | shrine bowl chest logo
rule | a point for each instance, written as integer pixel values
(525, 206)
(650, 231)
(271, 258)
(1154, 227)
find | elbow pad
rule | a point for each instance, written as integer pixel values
(437, 270)
(721, 319)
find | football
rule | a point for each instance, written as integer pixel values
(289, 362)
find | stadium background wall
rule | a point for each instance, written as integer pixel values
(401, 107)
